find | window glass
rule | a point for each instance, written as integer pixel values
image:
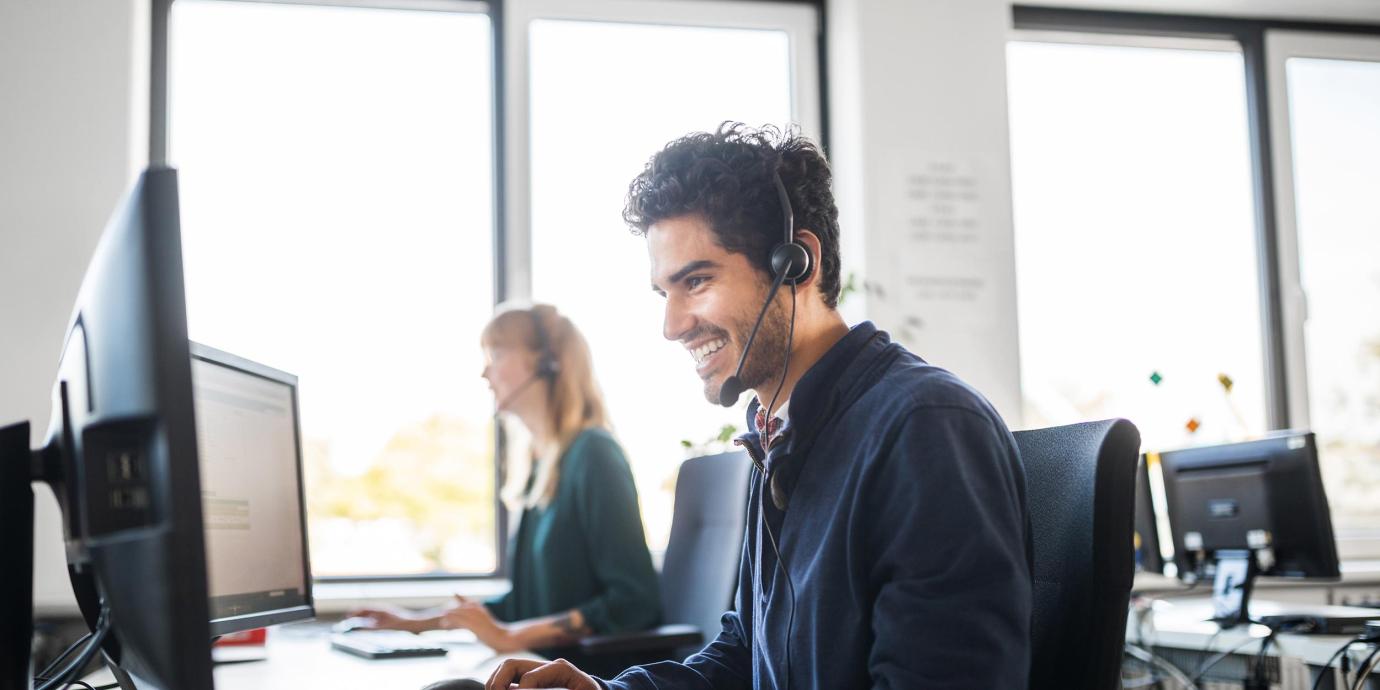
(1135, 243)
(1334, 107)
(335, 168)
(604, 97)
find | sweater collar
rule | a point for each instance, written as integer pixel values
(831, 384)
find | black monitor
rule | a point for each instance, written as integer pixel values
(1147, 531)
(1241, 510)
(122, 458)
(248, 441)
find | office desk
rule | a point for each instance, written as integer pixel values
(300, 658)
(1178, 630)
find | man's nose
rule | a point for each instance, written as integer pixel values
(677, 320)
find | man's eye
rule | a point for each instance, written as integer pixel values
(695, 281)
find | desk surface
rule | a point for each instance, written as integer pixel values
(300, 658)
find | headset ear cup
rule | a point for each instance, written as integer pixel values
(548, 367)
(792, 259)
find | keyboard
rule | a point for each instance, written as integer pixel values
(385, 644)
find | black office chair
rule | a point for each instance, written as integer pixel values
(1080, 483)
(700, 571)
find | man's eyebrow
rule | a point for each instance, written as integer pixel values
(691, 268)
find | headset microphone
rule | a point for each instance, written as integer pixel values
(516, 391)
(733, 385)
(790, 263)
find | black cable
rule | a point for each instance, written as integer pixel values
(1365, 669)
(47, 670)
(771, 538)
(64, 677)
(1259, 672)
(1217, 659)
(1317, 682)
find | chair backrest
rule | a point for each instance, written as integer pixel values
(700, 571)
(1081, 487)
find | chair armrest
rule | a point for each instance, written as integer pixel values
(666, 637)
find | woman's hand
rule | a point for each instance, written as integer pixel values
(475, 617)
(390, 618)
(540, 674)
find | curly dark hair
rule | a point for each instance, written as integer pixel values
(726, 177)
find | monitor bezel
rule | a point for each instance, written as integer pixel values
(296, 612)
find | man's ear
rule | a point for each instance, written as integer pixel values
(810, 241)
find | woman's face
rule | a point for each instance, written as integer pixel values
(509, 371)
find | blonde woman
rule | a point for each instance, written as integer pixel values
(578, 561)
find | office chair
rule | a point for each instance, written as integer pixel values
(1080, 483)
(700, 571)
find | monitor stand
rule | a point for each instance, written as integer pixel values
(17, 545)
(1232, 585)
(20, 467)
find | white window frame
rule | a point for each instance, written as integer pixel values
(800, 23)
(1280, 46)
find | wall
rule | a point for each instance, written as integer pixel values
(67, 84)
(919, 138)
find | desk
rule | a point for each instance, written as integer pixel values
(300, 658)
(1178, 630)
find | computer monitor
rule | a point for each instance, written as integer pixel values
(140, 418)
(1147, 530)
(248, 441)
(1241, 510)
(121, 457)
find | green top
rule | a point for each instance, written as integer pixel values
(585, 550)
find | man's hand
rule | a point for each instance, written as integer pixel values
(536, 674)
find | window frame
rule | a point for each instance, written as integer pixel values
(1281, 45)
(1265, 46)
(802, 20)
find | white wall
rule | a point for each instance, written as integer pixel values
(66, 118)
(918, 107)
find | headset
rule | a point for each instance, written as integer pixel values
(790, 264)
(548, 367)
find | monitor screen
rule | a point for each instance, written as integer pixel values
(251, 492)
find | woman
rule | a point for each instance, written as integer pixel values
(579, 561)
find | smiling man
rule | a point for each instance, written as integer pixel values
(887, 542)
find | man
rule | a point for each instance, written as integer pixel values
(887, 541)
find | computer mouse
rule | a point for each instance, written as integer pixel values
(456, 684)
(353, 623)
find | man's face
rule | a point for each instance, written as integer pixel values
(712, 299)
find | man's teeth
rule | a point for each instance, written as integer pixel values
(702, 352)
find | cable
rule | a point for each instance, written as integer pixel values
(47, 670)
(1259, 673)
(64, 677)
(1158, 664)
(1366, 668)
(1317, 682)
(771, 538)
(1216, 659)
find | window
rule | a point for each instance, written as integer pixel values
(1327, 109)
(1135, 242)
(336, 183)
(606, 92)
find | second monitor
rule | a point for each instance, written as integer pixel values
(248, 442)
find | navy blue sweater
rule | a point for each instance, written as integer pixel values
(906, 537)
